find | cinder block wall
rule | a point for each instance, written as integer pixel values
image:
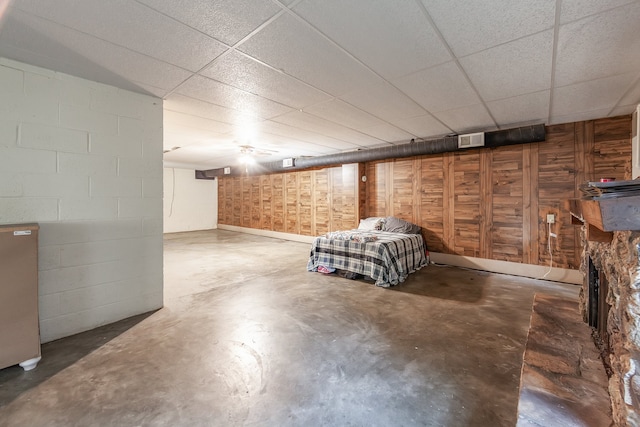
(84, 160)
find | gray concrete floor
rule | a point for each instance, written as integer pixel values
(248, 337)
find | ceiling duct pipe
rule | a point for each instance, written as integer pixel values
(499, 138)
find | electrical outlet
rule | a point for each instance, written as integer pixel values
(551, 218)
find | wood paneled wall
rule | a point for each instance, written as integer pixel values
(309, 202)
(493, 203)
(487, 203)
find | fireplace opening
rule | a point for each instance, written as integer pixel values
(598, 311)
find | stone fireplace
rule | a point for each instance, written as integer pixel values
(614, 312)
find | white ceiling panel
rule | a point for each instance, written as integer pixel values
(173, 118)
(576, 9)
(406, 41)
(466, 119)
(529, 62)
(324, 127)
(164, 38)
(243, 72)
(423, 126)
(293, 47)
(292, 132)
(440, 88)
(598, 94)
(329, 76)
(198, 108)
(226, 20)
(389, 133)
(599, 46)
(342, 113)
(511, 111)
(81, 55)
(226, 96)
(384, 100)
(472, 26)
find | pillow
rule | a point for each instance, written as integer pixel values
(397, 225)
(372, 223)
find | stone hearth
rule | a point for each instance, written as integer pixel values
(618, 261)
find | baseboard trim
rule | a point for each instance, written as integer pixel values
(268, 233)
(514, 268)
(505, 267)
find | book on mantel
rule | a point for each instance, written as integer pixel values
(609, 189)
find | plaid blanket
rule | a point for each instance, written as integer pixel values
(388, 260)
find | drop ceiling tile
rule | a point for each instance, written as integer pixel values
(174, 119)
(291, 46)
(632, 96)
(243, 72)
(223, 95)
(439, 88)
(528, 108)
(623, 110)
(138, 28)
(425, 126)
(472, 26)
(393, 38)
(511, 69)
(575, 9)
(467, 119)
(291, 147)
(599, 46)
(43, 43)
(340, 112)
(196, 107)
(385, 101)
(389, 133)
(323, 141)
(578, 117)
(593, 95)
(324, 127)
(226, 20)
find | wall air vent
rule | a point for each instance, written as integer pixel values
(471, 140)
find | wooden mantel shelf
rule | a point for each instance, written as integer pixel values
(605, 215)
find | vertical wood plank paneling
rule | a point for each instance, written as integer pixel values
(321, 200)
(267, 202)
(556, 185)
(527, 180)
(431, 202)
(362, 192)
(486, 204)
(305, 208)
(237, 201)
(278, 202)
(291, 202)
(467, 203)
(402, 182)
(508, 204)
(448, 203)
(377, 189)
(349, 194)
(256, 202)
(612, 148)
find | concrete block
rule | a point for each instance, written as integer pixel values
(11, 84)
(108, 99)
(152, 226)
(136, 208)
(103, 251)
(152, 187)
(9, 133)
(49, 306)
(55, 185)
(48, 257)
(60, 233)
(34, 109)
(131, 128)
(53, 138)
(73, 93)
(23, 160)
(10, 185)
(74, 117)
(41, 86)
(118, 229)
(116, 186)
(116, 145)
(22, 209)
(28, 68)
(88, 209)
(84, 164)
